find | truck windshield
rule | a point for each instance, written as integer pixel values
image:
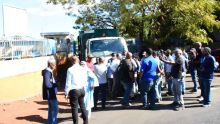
(105, 47)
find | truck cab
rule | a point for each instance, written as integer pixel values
(100, 43)
(105, 46)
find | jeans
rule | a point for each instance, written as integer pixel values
(177, 90)
(148, 93)
(102, 88)
(207, 91)
(169, 83)
(77, 98)
(128, 85)
(158, 87)
(183, 83)
(52, 111)
(194, 79)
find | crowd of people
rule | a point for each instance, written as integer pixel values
(87, 81)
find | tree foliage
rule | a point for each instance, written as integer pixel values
(157, 21)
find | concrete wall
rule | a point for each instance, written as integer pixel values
(21, 66)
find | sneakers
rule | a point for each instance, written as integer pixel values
(193, 91)
(200, 99)
(207, 106)
(174, 104)
(179, 107)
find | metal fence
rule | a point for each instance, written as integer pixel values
(25, 47)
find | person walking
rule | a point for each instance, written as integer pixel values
(50, 91)
(100, 72)
(207, 74)
(149, 68)
(76, 81)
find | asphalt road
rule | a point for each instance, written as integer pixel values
(194, 113)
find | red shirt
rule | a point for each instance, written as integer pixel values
(90, 65)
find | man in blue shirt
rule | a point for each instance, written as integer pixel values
(50, 91)
(149, 68)
(207, 74)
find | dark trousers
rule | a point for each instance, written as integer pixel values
(77, 98)
(101, 88)
(110, 86)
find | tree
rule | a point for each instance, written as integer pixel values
(157, 21)
(188, 20)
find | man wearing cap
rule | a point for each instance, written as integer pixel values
(207, 74)
(50, 91)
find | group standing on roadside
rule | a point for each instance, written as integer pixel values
(87, 83)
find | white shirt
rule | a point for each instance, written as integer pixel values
(100, 72)
(115, 63)
(76, 78)
(168, 67)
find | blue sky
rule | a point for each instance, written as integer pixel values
(42, 17)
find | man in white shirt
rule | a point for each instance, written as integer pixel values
(100, 71)
(167, 68)
(76, 80)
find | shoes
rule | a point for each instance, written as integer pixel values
(207, 106)
(145, 107)
(103, 107)
(174, 104)
(126, 106)
(94, 109)
(149, 107)
(179, 107)
(182, 107)
(193, 91)
(169, 94)
(201, 102)
(200, 99)
(158, 100)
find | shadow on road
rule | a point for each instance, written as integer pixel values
(46, 103)
(39, 119)
(33, 118)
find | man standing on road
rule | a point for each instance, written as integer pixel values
(149, 68)
(167, 68)
(207, 74)
(176, 74)
(193, 70)
(100, 72)
(50, 91)
(76, 81)
(127, 77)
(197, 63)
